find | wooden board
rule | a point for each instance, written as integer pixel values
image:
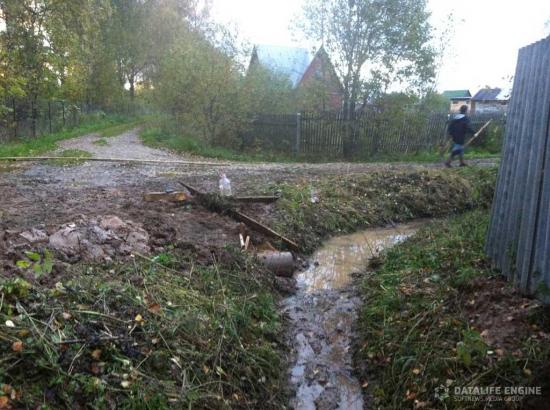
(165, 196)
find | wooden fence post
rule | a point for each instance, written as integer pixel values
(14, 118)
(298, 132)
(50, 115)
(63, 108)
(33, 119)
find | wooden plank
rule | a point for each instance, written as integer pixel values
(497, 224)
(536, 164)
(520, 171)
(252, 223)
(261, 199)
(259, 227)
(165, 196)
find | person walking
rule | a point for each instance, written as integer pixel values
(458, 128)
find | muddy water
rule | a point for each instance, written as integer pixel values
(322, 313)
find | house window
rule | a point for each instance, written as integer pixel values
(455, 102)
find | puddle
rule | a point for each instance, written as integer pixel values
(322, 314)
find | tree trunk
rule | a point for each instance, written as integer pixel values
(132, 80)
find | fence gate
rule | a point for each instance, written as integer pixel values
(519, 234)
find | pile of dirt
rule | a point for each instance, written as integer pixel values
(97, 239)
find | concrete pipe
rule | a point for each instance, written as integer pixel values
(280, 263)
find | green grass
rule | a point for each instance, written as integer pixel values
(119, 129)
(71, 153)
(101, 142)
(418, 329)
(349, 203)
(180, 334)
(435, 156)
(157, 136)
(30, 147)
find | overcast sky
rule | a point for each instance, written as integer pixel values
(483, 51)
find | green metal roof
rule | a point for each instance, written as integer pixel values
(452, 94)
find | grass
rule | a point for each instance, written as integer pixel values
(119, 129)
(435, 156)
(101, 142)
(70, 153)
(110, 125)
(158, 137)
(160, 333)
(436, 317)
(349, 203)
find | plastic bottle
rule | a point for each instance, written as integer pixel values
(314, 196)
(225, 185)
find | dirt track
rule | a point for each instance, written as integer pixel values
(47, 196)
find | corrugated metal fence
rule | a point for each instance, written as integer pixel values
(367, 135)
(519, 234)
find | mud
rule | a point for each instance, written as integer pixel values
(322, 313)
(50, 195)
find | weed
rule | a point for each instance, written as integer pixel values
(349, 203)
(29, 146)
(101, 142)
(69, 154)
(39, 264)
(157, 134)
(437, 317)
(144, 336)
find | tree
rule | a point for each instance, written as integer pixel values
(372, 42)
(201, 86)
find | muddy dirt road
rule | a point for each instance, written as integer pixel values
(95, 211)
(40, 200)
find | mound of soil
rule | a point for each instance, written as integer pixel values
(97, 239)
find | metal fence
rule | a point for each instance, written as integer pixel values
(25, 118)
(519, 234)
(21, 118)
(367, 135)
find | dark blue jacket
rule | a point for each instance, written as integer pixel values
(458, 128)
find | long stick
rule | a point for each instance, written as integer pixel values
(477, 134)
(252, 223)
(129, 160)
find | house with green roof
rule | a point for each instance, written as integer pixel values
(457, 99)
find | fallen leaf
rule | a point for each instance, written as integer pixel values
(9, 323)
(365, 385)
(4, 402)
(420, 404)
(139, 318)
(6, 388)
(417, 371)
(205, 369)
(95, 369)
(67, 315)
(527, 372)
(410, 395)
(96, 354)
(154, 308)
(23, 333)
(17, 346)
(125, 384)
